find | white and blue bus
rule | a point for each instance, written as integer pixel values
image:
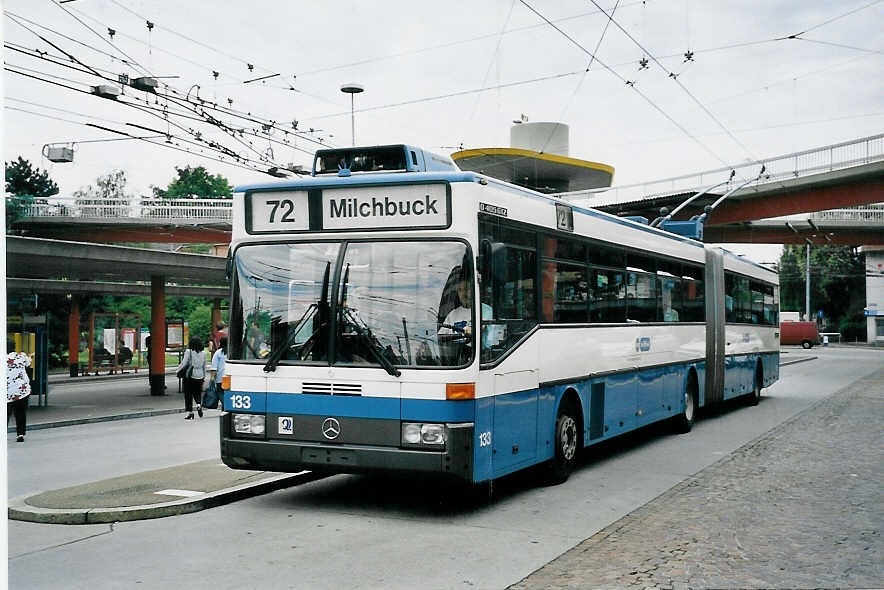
(354, 296)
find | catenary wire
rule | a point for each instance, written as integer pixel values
(631, 85)
(674, 77)
(100, 36)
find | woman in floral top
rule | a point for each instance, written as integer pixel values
(18, 388)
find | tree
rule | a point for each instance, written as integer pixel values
(195, 182)
(106, 196)
(24, 183)
(837, 285)
(108, 187)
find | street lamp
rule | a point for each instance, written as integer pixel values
(352, 89)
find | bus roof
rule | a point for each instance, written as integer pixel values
(360, 180)
(369, 179)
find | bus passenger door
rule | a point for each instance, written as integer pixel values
(514, 441)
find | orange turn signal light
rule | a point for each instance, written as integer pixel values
(225, 383)
(460, 391)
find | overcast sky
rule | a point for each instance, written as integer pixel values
(744, 95)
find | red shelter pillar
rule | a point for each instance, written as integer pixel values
(216, 319)
(74, 337)
(157, 361)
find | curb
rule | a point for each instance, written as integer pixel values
(61, 378)
(19, 510)
(78, 421)
(798, 360)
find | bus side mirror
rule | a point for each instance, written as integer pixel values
(492, 261)
(228, 267)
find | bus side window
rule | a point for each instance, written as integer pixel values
(509, 294)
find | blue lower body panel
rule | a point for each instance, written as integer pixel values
(486, 438)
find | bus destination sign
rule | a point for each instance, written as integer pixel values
(410, 206)
(405, 206)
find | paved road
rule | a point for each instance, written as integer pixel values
(799, 507)
(361, 532)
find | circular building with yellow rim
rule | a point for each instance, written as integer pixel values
(538, 160)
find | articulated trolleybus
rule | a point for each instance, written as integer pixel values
(393, 313)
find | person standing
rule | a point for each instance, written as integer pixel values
(18, 388)
(194, 361)
(219, 359)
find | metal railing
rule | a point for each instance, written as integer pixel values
(214, 210)
(873, 214)
(795, 165)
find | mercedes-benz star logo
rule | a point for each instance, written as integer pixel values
(331, 428)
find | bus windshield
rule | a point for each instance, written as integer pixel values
(389, 304)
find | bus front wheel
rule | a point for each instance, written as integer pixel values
(566, 444)
(755, 396)
(685, 421)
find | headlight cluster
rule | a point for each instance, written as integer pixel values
(416, 434)
(248, 424)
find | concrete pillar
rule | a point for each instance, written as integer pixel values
(74, 337)
(157, 335)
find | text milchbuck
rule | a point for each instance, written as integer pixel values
(404, 207)
(351, 207)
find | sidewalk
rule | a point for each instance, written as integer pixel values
(70, 404)
(799, 507)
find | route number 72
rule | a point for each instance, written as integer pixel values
(287, 208)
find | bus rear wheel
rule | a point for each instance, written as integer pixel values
(567, 438)
(806, 344)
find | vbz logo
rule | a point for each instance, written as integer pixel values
(286, 425)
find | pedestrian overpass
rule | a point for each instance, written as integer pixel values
(844, 180)
(833, 193)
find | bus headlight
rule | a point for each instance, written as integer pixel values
(433, 434)
(411, 434)
(416, 434)
(248, 424)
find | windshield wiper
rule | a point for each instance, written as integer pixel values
(311, 311)
(367, 338)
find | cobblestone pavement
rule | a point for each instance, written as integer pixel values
(800, 507)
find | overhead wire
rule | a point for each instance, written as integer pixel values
(169, 135)
(841, 45)
(628, 83)
(570, 100)
(20, 70)
(216, 122)
(45, 28)
(449, 95)
(833, 19)
(790, 79)
(50, 43)
(674, 77)
(129, 136)
(176, 55)
(100, 36)
(494, 57)
(51, 108)
(192, 40)
(204, 67)
(202, 103)
(451, 43)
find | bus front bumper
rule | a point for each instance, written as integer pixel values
(456, 460)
